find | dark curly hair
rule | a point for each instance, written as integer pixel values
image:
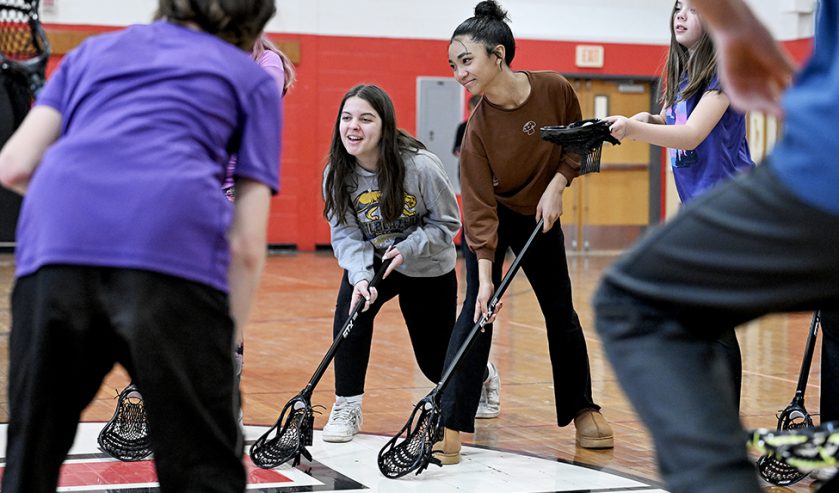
(238, 22)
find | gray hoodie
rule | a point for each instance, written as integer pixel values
(423, 234)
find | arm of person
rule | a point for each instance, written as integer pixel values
(480, 215)
(550, 203)
(23, 152)
(354, 254)
(701, 122)
(647, 117)
(442, 221)
(247, 237)
(753, 68)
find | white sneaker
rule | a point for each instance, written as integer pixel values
(490, 403)
(344, 422)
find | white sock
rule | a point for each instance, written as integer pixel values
(352, 399)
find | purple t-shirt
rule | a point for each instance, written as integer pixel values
(722, 154)
(150, 117)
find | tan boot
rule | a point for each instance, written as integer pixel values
(593, 431)
(448, 449)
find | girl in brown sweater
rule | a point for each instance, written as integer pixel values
(510, 179)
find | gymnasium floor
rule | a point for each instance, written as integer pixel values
(522, 450)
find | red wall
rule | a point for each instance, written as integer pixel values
(329, 65)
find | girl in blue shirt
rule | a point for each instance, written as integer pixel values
(706, 137)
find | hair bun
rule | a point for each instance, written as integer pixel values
(491, 9)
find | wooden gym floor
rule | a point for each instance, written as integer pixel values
(290, 331)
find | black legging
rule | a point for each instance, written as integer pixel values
(429, 305)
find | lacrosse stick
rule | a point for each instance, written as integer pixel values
(805, 449)
(413, 453)
(292, 432)
(585, 138)
(794, 416)
(126, 435)
(24, 48)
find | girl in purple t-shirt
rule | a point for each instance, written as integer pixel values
(705, 135)
(127, 252)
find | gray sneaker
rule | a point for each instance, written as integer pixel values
(344, 422)
(490, 403)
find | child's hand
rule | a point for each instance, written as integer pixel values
(392, 253)
(362, 291)
(619, 125)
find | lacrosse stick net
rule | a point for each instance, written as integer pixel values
(585, 138)
(401, 456)
(24, 48)
(805, 449)
(794, 416)
(126, 435)
(293, 430)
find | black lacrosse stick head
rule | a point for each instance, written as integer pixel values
(24, 47)
(774, 471)
(584, 138)
(126, 436)
(288, 438)
(413, 453)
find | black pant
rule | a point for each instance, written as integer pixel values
(70, 324)
(429, 305)
(546, 269)
(744, 249)
(829, 401)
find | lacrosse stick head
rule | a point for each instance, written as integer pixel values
(126, 435)
(24, 48)
(771, 469)
(288, 438)
(585, 138)
(805, 449)
(413, 453)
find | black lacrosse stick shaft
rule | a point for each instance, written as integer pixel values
(493, 302)
(345, 331)
(808, 356)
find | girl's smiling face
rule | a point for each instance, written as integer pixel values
(361, 131)
(473, 68)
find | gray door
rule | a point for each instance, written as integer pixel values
(439, 112)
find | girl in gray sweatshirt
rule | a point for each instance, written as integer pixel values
(386, 198)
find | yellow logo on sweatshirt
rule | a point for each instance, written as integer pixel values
(367, 203)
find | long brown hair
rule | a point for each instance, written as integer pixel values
(698, 67)
(390, 171)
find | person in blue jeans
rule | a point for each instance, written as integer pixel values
(766, 241)
(126, 250)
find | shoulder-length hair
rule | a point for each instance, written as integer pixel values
(698, 67)
(390, 171)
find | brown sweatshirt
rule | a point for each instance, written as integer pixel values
(504, 160)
